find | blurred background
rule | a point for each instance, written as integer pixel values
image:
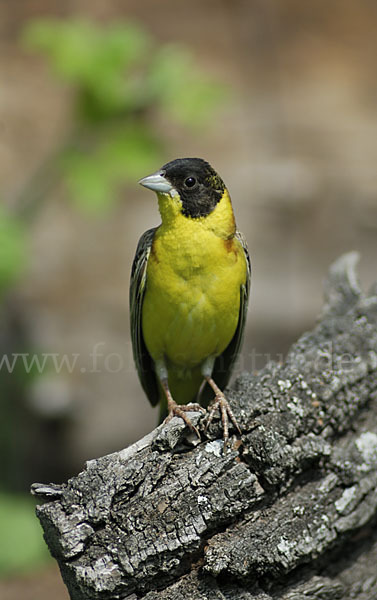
(279, 96)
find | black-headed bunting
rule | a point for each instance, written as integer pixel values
(189, 293)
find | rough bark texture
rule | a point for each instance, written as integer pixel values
(288, 513)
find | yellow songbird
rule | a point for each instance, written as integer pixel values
(189, 292)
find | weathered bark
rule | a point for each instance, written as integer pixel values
(288, 513)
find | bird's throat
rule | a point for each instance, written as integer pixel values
(220, 221)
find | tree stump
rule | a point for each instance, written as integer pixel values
(289, 512)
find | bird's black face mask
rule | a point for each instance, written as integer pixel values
(199, 186)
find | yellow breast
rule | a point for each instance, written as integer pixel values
(192, 299)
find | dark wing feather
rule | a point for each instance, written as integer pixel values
(142, 358)
(224, 363)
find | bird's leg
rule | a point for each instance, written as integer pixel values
(179, 410)
(175, 410)
(221, 403)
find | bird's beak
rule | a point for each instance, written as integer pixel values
(157, 182)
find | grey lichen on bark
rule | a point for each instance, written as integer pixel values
(288, 513)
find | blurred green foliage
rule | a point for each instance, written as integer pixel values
(100, 62)
(12, 249)
(123, 84)
(22, 547)
(120, 156)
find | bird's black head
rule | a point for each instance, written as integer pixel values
(199, 186)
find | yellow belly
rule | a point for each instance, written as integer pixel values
(192, 299)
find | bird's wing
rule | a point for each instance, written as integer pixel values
(142, 358)
(224, 363)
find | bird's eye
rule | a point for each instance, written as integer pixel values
(190, 182)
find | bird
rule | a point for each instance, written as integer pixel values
(189, 292)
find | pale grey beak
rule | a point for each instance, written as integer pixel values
(156, 182)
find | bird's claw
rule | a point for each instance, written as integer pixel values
(221, 403)
(177, 410)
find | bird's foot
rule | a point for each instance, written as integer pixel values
(180, 410)
(221, 403)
